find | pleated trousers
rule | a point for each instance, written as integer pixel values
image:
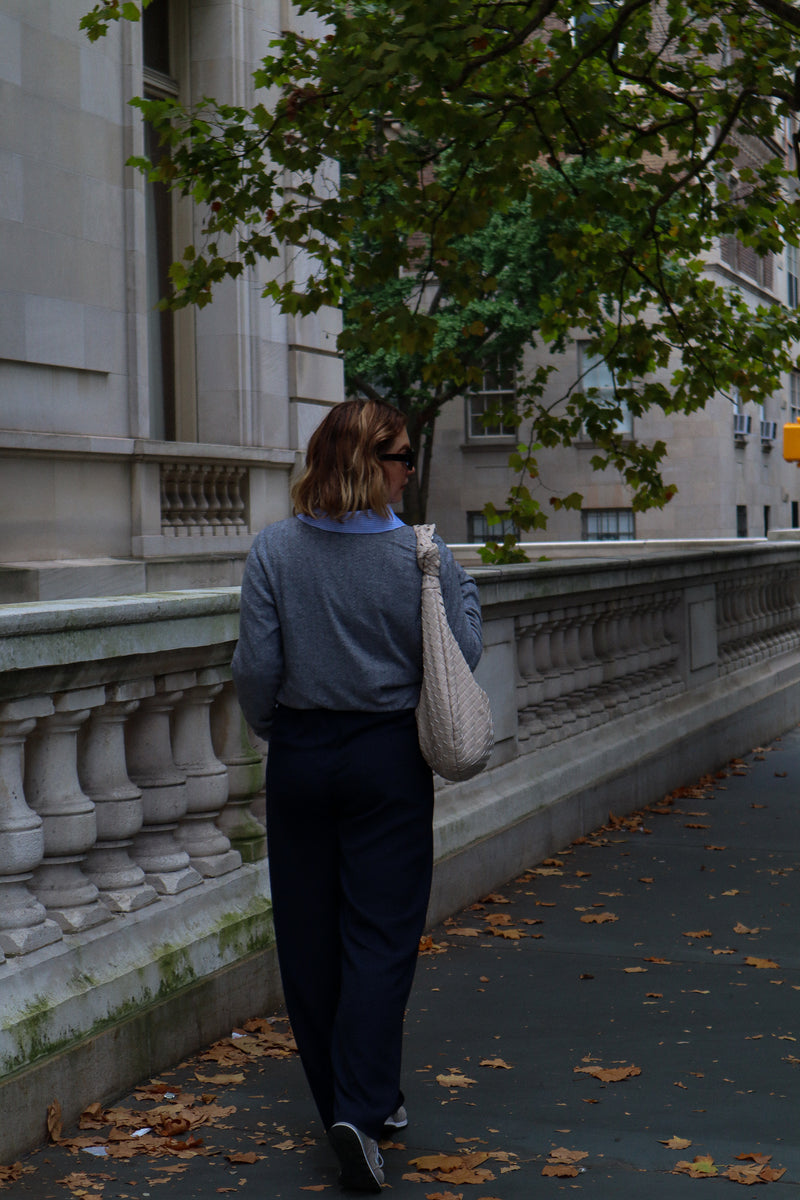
(349, 826)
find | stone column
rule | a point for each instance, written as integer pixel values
(152, 768)
(68, 816)
(208, 848)
(245, 776)
(118, 802)
(24, 925)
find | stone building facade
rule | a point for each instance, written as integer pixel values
(138, 451)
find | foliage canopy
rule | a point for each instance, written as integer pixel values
(473, 175)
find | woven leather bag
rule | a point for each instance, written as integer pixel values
(454, 719)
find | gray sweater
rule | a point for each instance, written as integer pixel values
(332, 620)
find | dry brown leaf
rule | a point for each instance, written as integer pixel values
(465, 931)
(560, 1170)
(444, 1196)
(635, 970)
(244, 1156)
(609, 1074)
(676, 1143)
(698, 933)
(428, 946)
(499, 1063)
(512, 935)
(702, 1168)
(497, 919)
(54, 1123)
(740, 928)
(665, 962)
(599, 918)
(761, 1159)
(463, 1175)
(750, 1174)
(562, 1154)
(449, 1162)
(760, 963)
(455, 1079)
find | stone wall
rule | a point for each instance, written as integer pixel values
(134, 900)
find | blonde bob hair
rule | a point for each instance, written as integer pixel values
(343, 473)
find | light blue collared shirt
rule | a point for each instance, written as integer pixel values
(363, 521)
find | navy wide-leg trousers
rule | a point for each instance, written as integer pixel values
(349, 824)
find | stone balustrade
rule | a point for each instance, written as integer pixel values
(134, 901)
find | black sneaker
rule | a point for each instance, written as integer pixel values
(359, 1158)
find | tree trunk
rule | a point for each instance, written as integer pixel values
(415, 497)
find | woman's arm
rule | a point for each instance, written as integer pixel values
(258, 659)
(462, 605)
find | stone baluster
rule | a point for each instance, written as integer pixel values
(152, 768)
(549, 711)
(245, 765)
(572, 716)
(208, 848)
(237, 477)
(529, 681)
(591, 671)
(172, 515)
(214, 501)
(189, 522)
(197, 482)
(118, 802)
(68, 815)
(610, 650)
(24, 924)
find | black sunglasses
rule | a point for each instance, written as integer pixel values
(407, 458)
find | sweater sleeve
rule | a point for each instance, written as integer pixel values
(258, 659)
(462, 604)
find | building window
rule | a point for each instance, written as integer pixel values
(479, 529)
(497, 393)
(795, 514)
(594, 372)
(608, 525)
(159, 84)
(793, 276)
(794, 396)
(766, 520)
(741, 520)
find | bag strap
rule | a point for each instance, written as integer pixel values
(427, 550)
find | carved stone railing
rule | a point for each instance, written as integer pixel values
(133, 879)
(205, 499)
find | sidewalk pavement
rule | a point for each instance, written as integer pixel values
(627, 1006)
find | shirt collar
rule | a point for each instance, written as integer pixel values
(363, 521)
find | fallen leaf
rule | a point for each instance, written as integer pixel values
(740, 928)
(444, 1195)
(702, 1168)
(676, 1143)
(608, 1074)
(560, 1170)
(54, 1124)
(455, 1079)
(635, 970)
(496, 1062)
(562, 1154)
(244, 1156)
(599, 918)
(698, 933)
(759, 963)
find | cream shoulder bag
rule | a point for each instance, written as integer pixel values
(454, 719)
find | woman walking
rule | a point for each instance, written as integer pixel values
(328, 668)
